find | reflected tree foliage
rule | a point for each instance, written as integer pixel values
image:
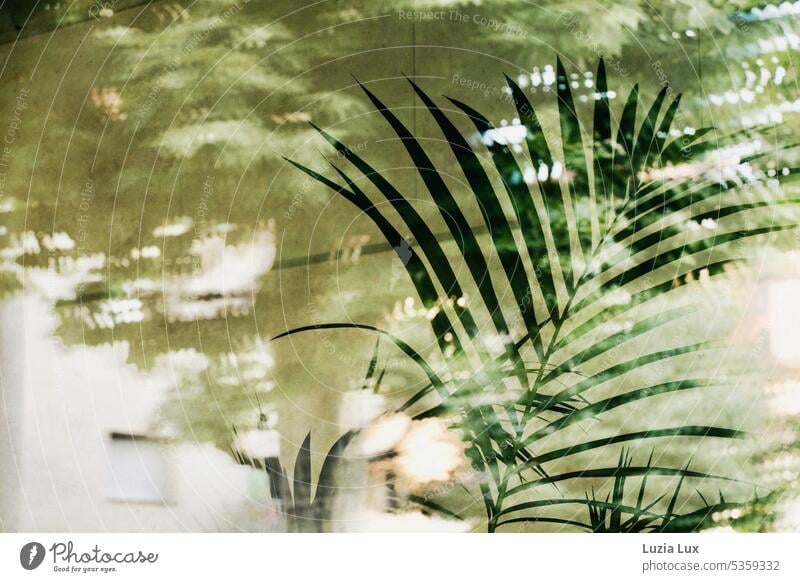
(171, 220)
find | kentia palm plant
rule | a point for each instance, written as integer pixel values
(615, 220)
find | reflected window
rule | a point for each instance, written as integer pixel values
(140, 471)
(784, 322)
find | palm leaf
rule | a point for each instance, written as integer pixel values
(631, 237)
(302, 476)
(574, 159)
(603, 149)
(326, 485)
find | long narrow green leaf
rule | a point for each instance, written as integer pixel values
(689, 146)
(425, 502)
(632, 471)
(604, 345)
(574, 156)
(686, 431)
(657, 236)
(302, 477)
(603, 148)
(623, 150)
(664, 128)
(558, 520)
(326, 484)
(435, 381)
(570, 501)
(645, 140)
(674, 499)
(278, 483)
(665, 257)
(618, 491)
(685, 197)
(668, 256)
(602, 406)
(540, 155)
(704, 517)
(623, 368)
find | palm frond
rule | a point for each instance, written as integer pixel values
(616, 220)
